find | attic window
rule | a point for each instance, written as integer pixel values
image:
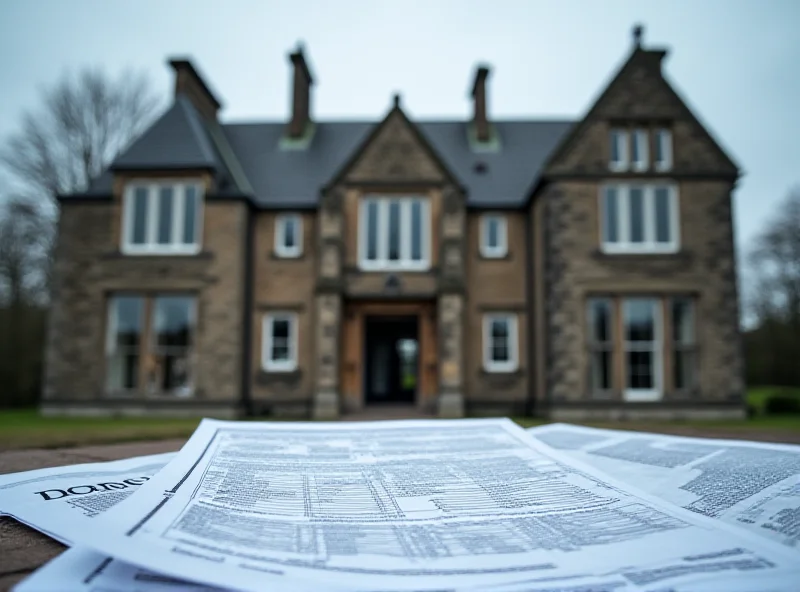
(480, 168)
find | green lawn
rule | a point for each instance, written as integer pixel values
(758, 396)
(25, 429)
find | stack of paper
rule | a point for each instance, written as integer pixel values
(423, 505)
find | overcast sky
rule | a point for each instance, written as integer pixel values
(737, 62)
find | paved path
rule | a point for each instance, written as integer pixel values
(22, 549)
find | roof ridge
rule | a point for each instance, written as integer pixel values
(417, 121)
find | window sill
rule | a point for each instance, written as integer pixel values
(128, 255)
(501, 371)
(275, 255)
(394, 268)
(139, 395)
(626, 256)
(506, 256)
(268, 377)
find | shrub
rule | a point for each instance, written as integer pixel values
(780, 404)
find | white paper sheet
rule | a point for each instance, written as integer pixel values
(747, 484)
(409, 505)
(45, 498)
(82, 570)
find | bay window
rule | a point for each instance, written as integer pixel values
(159, 363)
(394, 234)
(639, 218)
(162, 218)
(650, 340)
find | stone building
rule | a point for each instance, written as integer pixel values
(313, 268)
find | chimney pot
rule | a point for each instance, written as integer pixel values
(480, 119)
(638, 33)
(302, 80)
(396, 100)
(189, 83)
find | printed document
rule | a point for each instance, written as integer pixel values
(410, 505)
(46, 499)
(747, 484)
(81, 570)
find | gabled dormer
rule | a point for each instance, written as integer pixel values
(162, 180)
(639, 125)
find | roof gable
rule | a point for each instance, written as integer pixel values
(395, 151)
(177, 140)
(638, 91)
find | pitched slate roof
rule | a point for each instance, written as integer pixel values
(250, 158)
(178, 139)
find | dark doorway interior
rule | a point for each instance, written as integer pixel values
(392, 360)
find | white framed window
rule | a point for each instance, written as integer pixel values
(494, 236)
(642, 349)
(279, 342)
(162, 218)
(663, 146)
(288, 235)
(394, 234)
(500, 345)
(639, 150)
(618, 150)
(639, 218)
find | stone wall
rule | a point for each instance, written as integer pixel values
(496, 286)
(89, 268)
(284, 285)
(703, 268)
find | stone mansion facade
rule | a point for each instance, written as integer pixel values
(573, 269)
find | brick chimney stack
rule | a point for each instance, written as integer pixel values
(189, 83)
(301, 93)
(479, 118)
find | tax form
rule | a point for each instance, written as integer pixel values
(412, 505)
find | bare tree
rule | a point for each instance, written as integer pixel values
(84, 122)
(775, 260)
(24, 242)
(774, 294)
(24, 245)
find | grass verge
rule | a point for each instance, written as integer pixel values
(26, 429)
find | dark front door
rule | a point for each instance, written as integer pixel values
(392, 360)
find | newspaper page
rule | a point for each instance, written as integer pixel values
(748, 484)
(409, 505)
(42, 499)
